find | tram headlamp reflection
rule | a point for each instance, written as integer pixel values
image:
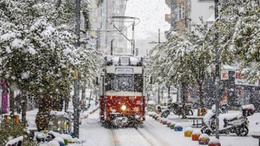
(123, 107)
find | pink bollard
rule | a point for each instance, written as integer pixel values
(5, 108)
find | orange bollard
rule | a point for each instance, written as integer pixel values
(199, 112)
(195, 137)
(16, 119)
(6, 118)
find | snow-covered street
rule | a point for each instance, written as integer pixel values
(154, 133)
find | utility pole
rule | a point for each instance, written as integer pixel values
(76, 77)
(159, 41)
(217, 72)
(105, 5)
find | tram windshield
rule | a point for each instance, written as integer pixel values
(124, 82)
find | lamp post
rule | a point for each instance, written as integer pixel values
(217, 78)
(76, 77)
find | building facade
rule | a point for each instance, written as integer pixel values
(104, 29)
(185, 14)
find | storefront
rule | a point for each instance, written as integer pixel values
(240, 91)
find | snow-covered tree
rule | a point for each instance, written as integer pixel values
(247, 39)
(37, 50)
(238, 36)
(169, 62)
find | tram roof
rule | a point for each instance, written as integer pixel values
(123, 61)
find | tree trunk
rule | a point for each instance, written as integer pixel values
(24, 106)
(83, 95)
(43, 115)
(183, 96)
(11, 97)
(169, 96)
(57, 103)
(159, 96)
(201, 94)
(66, 103)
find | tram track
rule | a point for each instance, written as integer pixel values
(146, 138)
(114, 137)
(117, 138)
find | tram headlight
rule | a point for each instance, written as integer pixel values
(123, 107)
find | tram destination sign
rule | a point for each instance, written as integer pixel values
(124, 70)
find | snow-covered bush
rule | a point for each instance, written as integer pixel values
(11, 130)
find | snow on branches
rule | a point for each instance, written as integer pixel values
(37, 46)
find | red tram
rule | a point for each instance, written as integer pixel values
(122, 100)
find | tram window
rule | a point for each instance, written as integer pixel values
(109, 81)
(138, 83)
(124, 83)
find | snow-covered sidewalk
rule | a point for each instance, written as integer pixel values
(152, 133)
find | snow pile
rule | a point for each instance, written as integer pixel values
(204, 136)
(54, 133)
(250, 106)
(14, 141)
(53, 143)
(196, 132)
(188, 129)
(40, 135)
(58, 139)
(256, 130)
(214, 140)
(63, 136)
(66, 136)
(178, 125)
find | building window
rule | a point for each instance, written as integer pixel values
(181, 12)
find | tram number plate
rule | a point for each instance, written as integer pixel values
(124, 70)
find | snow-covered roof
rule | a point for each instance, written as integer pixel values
(229, 67)
(123, 60)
